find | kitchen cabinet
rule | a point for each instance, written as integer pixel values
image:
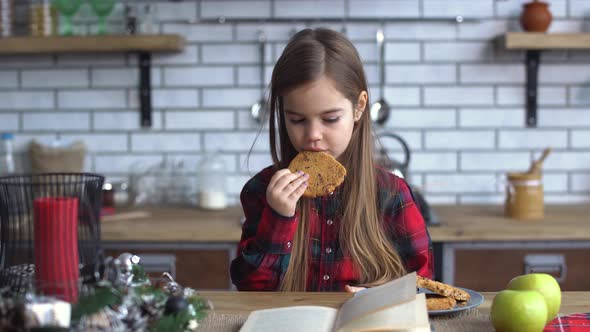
(478, 248)
(203, 266)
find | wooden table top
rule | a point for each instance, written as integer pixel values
(457, 224)
(245, 302)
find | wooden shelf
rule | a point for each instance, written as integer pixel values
(546, 41)
(91, 44)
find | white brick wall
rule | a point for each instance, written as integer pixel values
(457, 96)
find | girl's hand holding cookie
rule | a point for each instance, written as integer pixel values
(284, 190)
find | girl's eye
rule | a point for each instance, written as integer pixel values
(296, 120)
(332, 120)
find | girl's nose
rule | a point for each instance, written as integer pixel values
(313, 132)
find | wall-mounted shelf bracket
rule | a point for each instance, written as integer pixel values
(532, 59)
(145, 88)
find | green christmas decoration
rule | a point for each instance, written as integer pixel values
(124, 299)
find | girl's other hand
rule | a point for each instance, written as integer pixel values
(353, 289)
(284, 190)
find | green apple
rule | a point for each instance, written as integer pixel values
(518, 311)
(544, 284)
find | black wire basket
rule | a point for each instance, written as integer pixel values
(50, 232)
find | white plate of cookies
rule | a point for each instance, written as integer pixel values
(445, 299)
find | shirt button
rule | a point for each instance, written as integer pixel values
(328, 250)
(326, 277)
(329, 222)
(332, 193)
(289, 244)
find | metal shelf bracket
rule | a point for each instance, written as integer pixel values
(145, 89)
(532, 60)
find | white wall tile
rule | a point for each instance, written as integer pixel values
(460, 183)
(491, 118)
(175, 11)
(235, 183)
(433, 162)
(483, 30)
(230, 54)
(580, 138)
(230, 97)
(419, 31)
(494, 161)
(566, 199)
(9, 122)
(91, 99)
(384, 8)
(421, 74)
(8, 79)
(155, 142)
(100, 142)
(555, 182)
(550, 73)
(394, 148)
(482, 199)
(309, 8)
(199, 76)
(236, 9)
(84, 59)
(458, 96)
(457, 51)
(522, 139)
(200, 32)
(492, 73)
(402, 52)
(56, 121)
(565, 118)
(422, 118)
(200, 120)
(235, 142)
(272, 31)
(451, 8)
(459, 139)
(400, 96)
(580, 182)
(22, 100)
(62, 78)
(579, 8)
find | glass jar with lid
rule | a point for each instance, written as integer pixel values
(211, 177)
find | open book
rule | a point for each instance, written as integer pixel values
(393, 306)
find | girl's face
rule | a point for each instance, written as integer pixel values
(319, 118)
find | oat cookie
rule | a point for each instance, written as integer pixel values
(325, 172)
(442, 289)
(439, 302)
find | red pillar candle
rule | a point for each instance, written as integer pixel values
(56, 247)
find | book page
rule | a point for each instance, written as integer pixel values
(408, 316)
(377, 298)
(291, 319)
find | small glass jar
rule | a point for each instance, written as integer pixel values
(211, 179)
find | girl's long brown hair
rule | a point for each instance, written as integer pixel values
(309, 55)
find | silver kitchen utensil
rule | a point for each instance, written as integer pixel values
(380, 109)
(258, 110)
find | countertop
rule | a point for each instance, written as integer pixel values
(457, 224)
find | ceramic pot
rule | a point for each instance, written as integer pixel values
(535, 17)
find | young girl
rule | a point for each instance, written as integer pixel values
(369, 230)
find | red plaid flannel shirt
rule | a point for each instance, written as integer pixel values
(265, 247)
(572, 323)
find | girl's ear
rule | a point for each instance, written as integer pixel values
(360, 105)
